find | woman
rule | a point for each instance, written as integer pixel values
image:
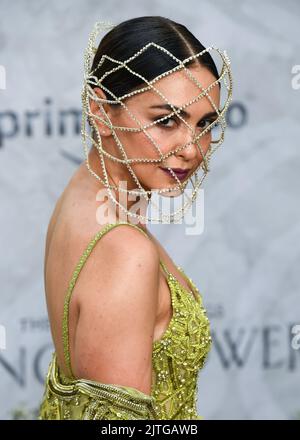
(130, 333)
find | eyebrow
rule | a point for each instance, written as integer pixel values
(182, 112)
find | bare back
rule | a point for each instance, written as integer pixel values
(71, 227)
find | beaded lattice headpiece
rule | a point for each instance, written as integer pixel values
(88, 121)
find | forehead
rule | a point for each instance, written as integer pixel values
(179, 89)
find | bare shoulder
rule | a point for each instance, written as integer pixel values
(123, 252)
(115, 330)
(125, 241)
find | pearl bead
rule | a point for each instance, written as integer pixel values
(87, 116)
(182, 351)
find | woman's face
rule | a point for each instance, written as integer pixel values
(168, 134)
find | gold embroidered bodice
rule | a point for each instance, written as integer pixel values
(177, 358)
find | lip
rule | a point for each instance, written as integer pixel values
(180, 173)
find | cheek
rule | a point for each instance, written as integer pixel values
(149, 147)
(205, 140)
(145, 172)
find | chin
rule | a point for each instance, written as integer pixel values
(174, 193)
(171, 192)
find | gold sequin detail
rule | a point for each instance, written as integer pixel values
(177, 358)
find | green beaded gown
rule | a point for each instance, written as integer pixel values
(177, 358)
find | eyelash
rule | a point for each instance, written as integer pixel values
(161, 123)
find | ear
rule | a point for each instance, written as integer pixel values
(95, 110)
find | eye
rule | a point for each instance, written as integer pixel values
(203, 124)
(165, 121)
(208, 122)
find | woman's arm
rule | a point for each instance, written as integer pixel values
(118, 307)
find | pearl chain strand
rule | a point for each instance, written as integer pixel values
(89, 117)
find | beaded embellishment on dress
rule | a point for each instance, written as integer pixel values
(180, 354)
(177, 358)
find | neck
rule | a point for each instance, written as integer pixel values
(131, 202)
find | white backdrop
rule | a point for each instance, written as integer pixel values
(246, 262)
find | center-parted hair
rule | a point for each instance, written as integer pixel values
(129, 60)
(126, 38)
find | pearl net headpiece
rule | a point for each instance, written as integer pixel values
(89, 127)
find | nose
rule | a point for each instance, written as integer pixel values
(190, 151)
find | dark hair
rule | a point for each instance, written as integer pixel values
(125, 39)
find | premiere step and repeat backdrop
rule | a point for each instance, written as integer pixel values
(245, 262)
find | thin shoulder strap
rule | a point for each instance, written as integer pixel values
(167, 272)
(86, 253)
